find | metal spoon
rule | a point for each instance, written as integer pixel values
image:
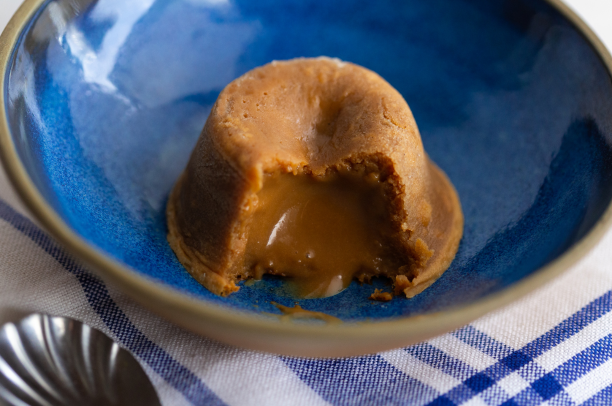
(52, 361)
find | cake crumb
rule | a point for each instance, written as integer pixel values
(381, 296)
(401, 284)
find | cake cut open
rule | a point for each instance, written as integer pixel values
(313, 169)
(322, 231)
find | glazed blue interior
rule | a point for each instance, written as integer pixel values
(106, 99)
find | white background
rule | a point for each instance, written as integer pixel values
(598, 14)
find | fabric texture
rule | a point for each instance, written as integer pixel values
(551, 347)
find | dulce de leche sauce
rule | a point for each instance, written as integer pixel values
(320, 231)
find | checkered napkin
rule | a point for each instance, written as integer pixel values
(553, 346)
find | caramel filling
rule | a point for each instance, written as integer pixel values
(321, 232)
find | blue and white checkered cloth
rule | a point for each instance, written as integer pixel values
(553, 347)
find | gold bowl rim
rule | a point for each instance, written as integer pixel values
(243, 329)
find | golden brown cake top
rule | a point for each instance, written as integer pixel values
(313, 112)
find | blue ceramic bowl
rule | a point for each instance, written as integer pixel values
(103, 101)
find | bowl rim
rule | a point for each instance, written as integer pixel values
(240, 328)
